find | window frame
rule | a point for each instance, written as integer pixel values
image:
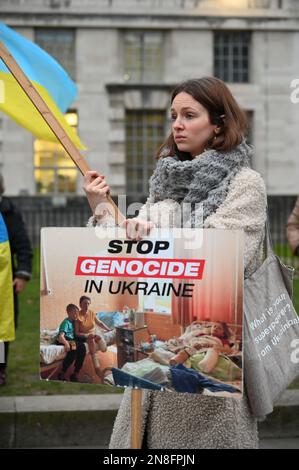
(230, 49)
(69, 65)
(149, 145)
(143, 74)
(56, 167)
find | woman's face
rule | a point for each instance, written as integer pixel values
(84, 305)
(191, 125)
(217, 330)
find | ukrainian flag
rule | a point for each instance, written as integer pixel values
(7, 329)
(47, 76)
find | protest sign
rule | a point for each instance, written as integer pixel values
(165, 312)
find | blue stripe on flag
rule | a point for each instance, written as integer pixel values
(3, 230)
(39, 67)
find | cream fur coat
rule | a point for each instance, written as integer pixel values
(183, 420)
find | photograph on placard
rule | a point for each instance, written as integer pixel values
(160, 313)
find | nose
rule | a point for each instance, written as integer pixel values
(177, 124)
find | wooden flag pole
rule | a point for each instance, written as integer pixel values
(136, 398)
(51, 120)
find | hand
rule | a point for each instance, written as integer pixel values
(19, 284)
(96, 189)
(67, 347)
(136, 228)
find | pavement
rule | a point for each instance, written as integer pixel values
(78, 421)
(279, 443)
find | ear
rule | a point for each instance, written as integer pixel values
(221, 121)
(217, 129)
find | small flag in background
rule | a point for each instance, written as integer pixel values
(2, 352)
(7, 328)
(48, 77)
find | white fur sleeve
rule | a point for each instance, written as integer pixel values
(162, 213)
(245, 209)
(107, 220)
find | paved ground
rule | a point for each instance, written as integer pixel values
(279, 443)
(264, 444)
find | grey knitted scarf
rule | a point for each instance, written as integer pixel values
(205, 179)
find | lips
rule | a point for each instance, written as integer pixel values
(180, 137)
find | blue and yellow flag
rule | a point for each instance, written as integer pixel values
(47, 76)
(7, 329)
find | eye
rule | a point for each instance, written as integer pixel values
(190, 115)
(173, 117)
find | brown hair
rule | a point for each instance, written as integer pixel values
(215, 96)
(71, 308)
(84, 297)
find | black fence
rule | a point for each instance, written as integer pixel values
(41, 212)
(74, 212)
(279, 209)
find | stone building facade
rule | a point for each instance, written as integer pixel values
(127, 55)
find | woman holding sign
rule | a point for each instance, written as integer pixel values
(204, 163)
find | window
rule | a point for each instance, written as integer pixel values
(231, 56)
(59, 43)
(54, 170)
(143, 56)
(144, 134)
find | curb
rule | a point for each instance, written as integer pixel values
(57, 403)
(87, 420)
(58, 420)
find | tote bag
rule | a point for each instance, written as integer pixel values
(271, 332)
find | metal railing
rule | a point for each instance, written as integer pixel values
(39, 212)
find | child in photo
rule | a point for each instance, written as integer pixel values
(75, 350)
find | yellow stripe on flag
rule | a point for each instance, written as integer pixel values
(18, 106)
(7, 328)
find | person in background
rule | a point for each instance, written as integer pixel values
(293, 229)
(7, 326)
(21, 255)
